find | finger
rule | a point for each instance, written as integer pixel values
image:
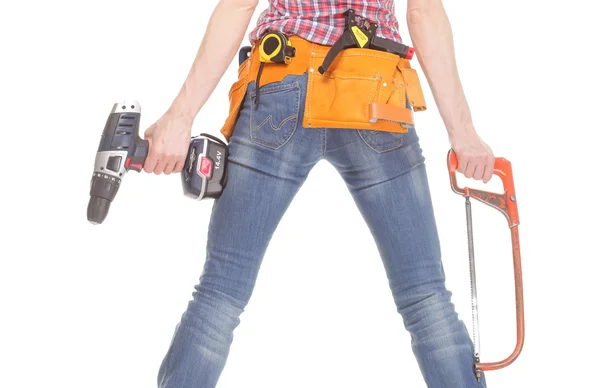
(179, 165)
(478, 170)
(150, 163)
(489, 169)
(470, 169)
(463, 163)
(169, 167)
(160, 164)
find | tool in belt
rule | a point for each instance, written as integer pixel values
(507, 204)
(360, 33)
(275, 47)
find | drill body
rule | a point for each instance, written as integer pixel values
(121, 149)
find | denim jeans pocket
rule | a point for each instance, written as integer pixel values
(381, 141)
(275, 119)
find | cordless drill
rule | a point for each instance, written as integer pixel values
(121, 149)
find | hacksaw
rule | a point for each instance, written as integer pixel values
(506, 203)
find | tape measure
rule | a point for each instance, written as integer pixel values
(275, 47)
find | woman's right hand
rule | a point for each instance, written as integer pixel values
(169, 140)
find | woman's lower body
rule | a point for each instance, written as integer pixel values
(271, 155)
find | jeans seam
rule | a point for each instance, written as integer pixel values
(323, 142)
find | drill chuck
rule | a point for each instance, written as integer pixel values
(97, 210)
(102, 192)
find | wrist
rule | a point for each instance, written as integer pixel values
(181, 112)
(461, 130)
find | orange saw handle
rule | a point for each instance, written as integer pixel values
(506, 203)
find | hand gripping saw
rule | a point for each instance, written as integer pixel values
(506, 203)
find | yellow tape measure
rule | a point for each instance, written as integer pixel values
(275, 47)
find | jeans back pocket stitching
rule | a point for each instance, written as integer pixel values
(294, 116)
(380, 150)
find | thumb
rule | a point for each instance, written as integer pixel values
(151, 158)
(149, 132)
(150, 162)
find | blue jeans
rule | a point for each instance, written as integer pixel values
(271, 155)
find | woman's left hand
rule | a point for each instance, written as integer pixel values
(475, 157)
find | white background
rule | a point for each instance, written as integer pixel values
(96, 306)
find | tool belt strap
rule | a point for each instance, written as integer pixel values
(379, 111)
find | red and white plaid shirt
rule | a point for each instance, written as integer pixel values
(323, 21)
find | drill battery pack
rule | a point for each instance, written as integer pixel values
(204, 174)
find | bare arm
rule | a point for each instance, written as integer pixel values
(431, 35)
(224, 35)
(169, 136)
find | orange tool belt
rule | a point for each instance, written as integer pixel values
(363, 89)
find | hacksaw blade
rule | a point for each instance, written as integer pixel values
(474, 306)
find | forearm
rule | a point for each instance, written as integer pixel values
(431, 35)
(220, 44)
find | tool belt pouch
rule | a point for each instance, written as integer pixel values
(237, 92)
(363, 89)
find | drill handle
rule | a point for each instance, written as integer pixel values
(140, 152)
(142, 147)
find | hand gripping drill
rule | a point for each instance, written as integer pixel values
(121, 149)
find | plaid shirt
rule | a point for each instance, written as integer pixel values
(323, 21)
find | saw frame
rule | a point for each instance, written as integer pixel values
(506, 203)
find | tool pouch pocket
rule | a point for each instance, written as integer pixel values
(237, 92)
(414, 92)
(363, 89)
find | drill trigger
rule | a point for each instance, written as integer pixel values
(135, 167)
